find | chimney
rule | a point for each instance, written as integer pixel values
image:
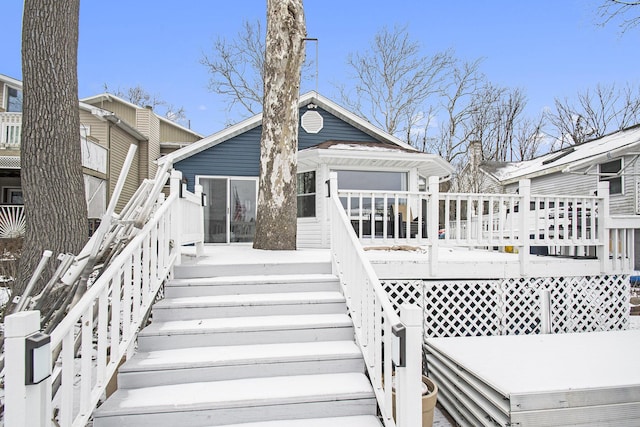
(475, 154)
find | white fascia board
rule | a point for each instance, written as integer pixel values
(11, 81)
(411, 160)
(609, 155)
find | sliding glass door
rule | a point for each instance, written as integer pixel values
(231, 212)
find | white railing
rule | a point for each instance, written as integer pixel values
(110, 313)
(576, 226)
(377, 325)
(12, 222)
(10, 130)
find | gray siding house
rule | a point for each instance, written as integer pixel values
(576, 170)
(330, 139)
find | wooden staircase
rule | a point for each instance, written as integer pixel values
(251, 345)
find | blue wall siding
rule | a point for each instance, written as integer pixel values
(240, 156)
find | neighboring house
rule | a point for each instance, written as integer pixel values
(108, 127)
(576, 170)
(473, 178)
(330, 138)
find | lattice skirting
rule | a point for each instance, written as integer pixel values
(512, 306)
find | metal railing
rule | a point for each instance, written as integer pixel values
(379, 331)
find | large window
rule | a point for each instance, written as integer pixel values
(610, 172)
(307, 194)
(14, 104)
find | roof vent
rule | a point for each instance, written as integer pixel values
(312, 122)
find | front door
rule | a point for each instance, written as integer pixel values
(231, 212)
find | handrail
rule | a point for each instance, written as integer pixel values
(375, 319)
(112, 311)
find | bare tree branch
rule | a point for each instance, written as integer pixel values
(619, 10)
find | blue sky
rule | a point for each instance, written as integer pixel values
(549, 48)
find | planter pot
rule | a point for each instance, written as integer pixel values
(429, 399)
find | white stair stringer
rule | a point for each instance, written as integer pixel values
(252, 351)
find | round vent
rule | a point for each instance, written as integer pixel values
(312, 122)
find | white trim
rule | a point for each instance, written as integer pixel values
(255, 121)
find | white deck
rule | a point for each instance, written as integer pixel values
(412, 262)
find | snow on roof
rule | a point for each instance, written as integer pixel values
(572, 158)
(361, 146)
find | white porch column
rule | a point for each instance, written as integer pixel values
(25, 405)
(409, 377)
(200, 244)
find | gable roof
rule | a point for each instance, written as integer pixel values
(11, 81)
(113, 98)
(570, 159)
(255, 121)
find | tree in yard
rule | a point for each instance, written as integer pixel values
(276, 221)
(52, 182)
(393, 80)
(624, 10)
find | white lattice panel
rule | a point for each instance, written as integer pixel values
(512, 306)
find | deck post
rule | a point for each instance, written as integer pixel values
(433, 221)
(601, 224)
(545, 311)
(25, 405)
(524, 189)
(200, 245)
(409, 377)
(176, 220)
(332, 190)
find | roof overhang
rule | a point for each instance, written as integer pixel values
(426, 164)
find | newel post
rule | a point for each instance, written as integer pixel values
(176, 214)
(409, 376)
(199, 192)
(603, 231)
(433, 221)
(26, 403)
(524, 190)
(331, 189)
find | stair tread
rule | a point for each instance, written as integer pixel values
(240, 393)
(353, 421)
(249, 279)
(240, 355)
(255, 323)
(252, 299)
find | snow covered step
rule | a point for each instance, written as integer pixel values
(227, 285)
(202, 307)
(245, 330)
(258, 269)
(356, 421)
(239, 401)
(165, 367)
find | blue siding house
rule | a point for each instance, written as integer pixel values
(330, 139)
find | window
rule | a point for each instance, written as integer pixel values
(609, 172)
(14, 104)
(307, 194)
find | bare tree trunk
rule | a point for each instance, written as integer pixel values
(276, 222)
(52, 182)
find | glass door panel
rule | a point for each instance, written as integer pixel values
(215, 214)
(242, 204)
